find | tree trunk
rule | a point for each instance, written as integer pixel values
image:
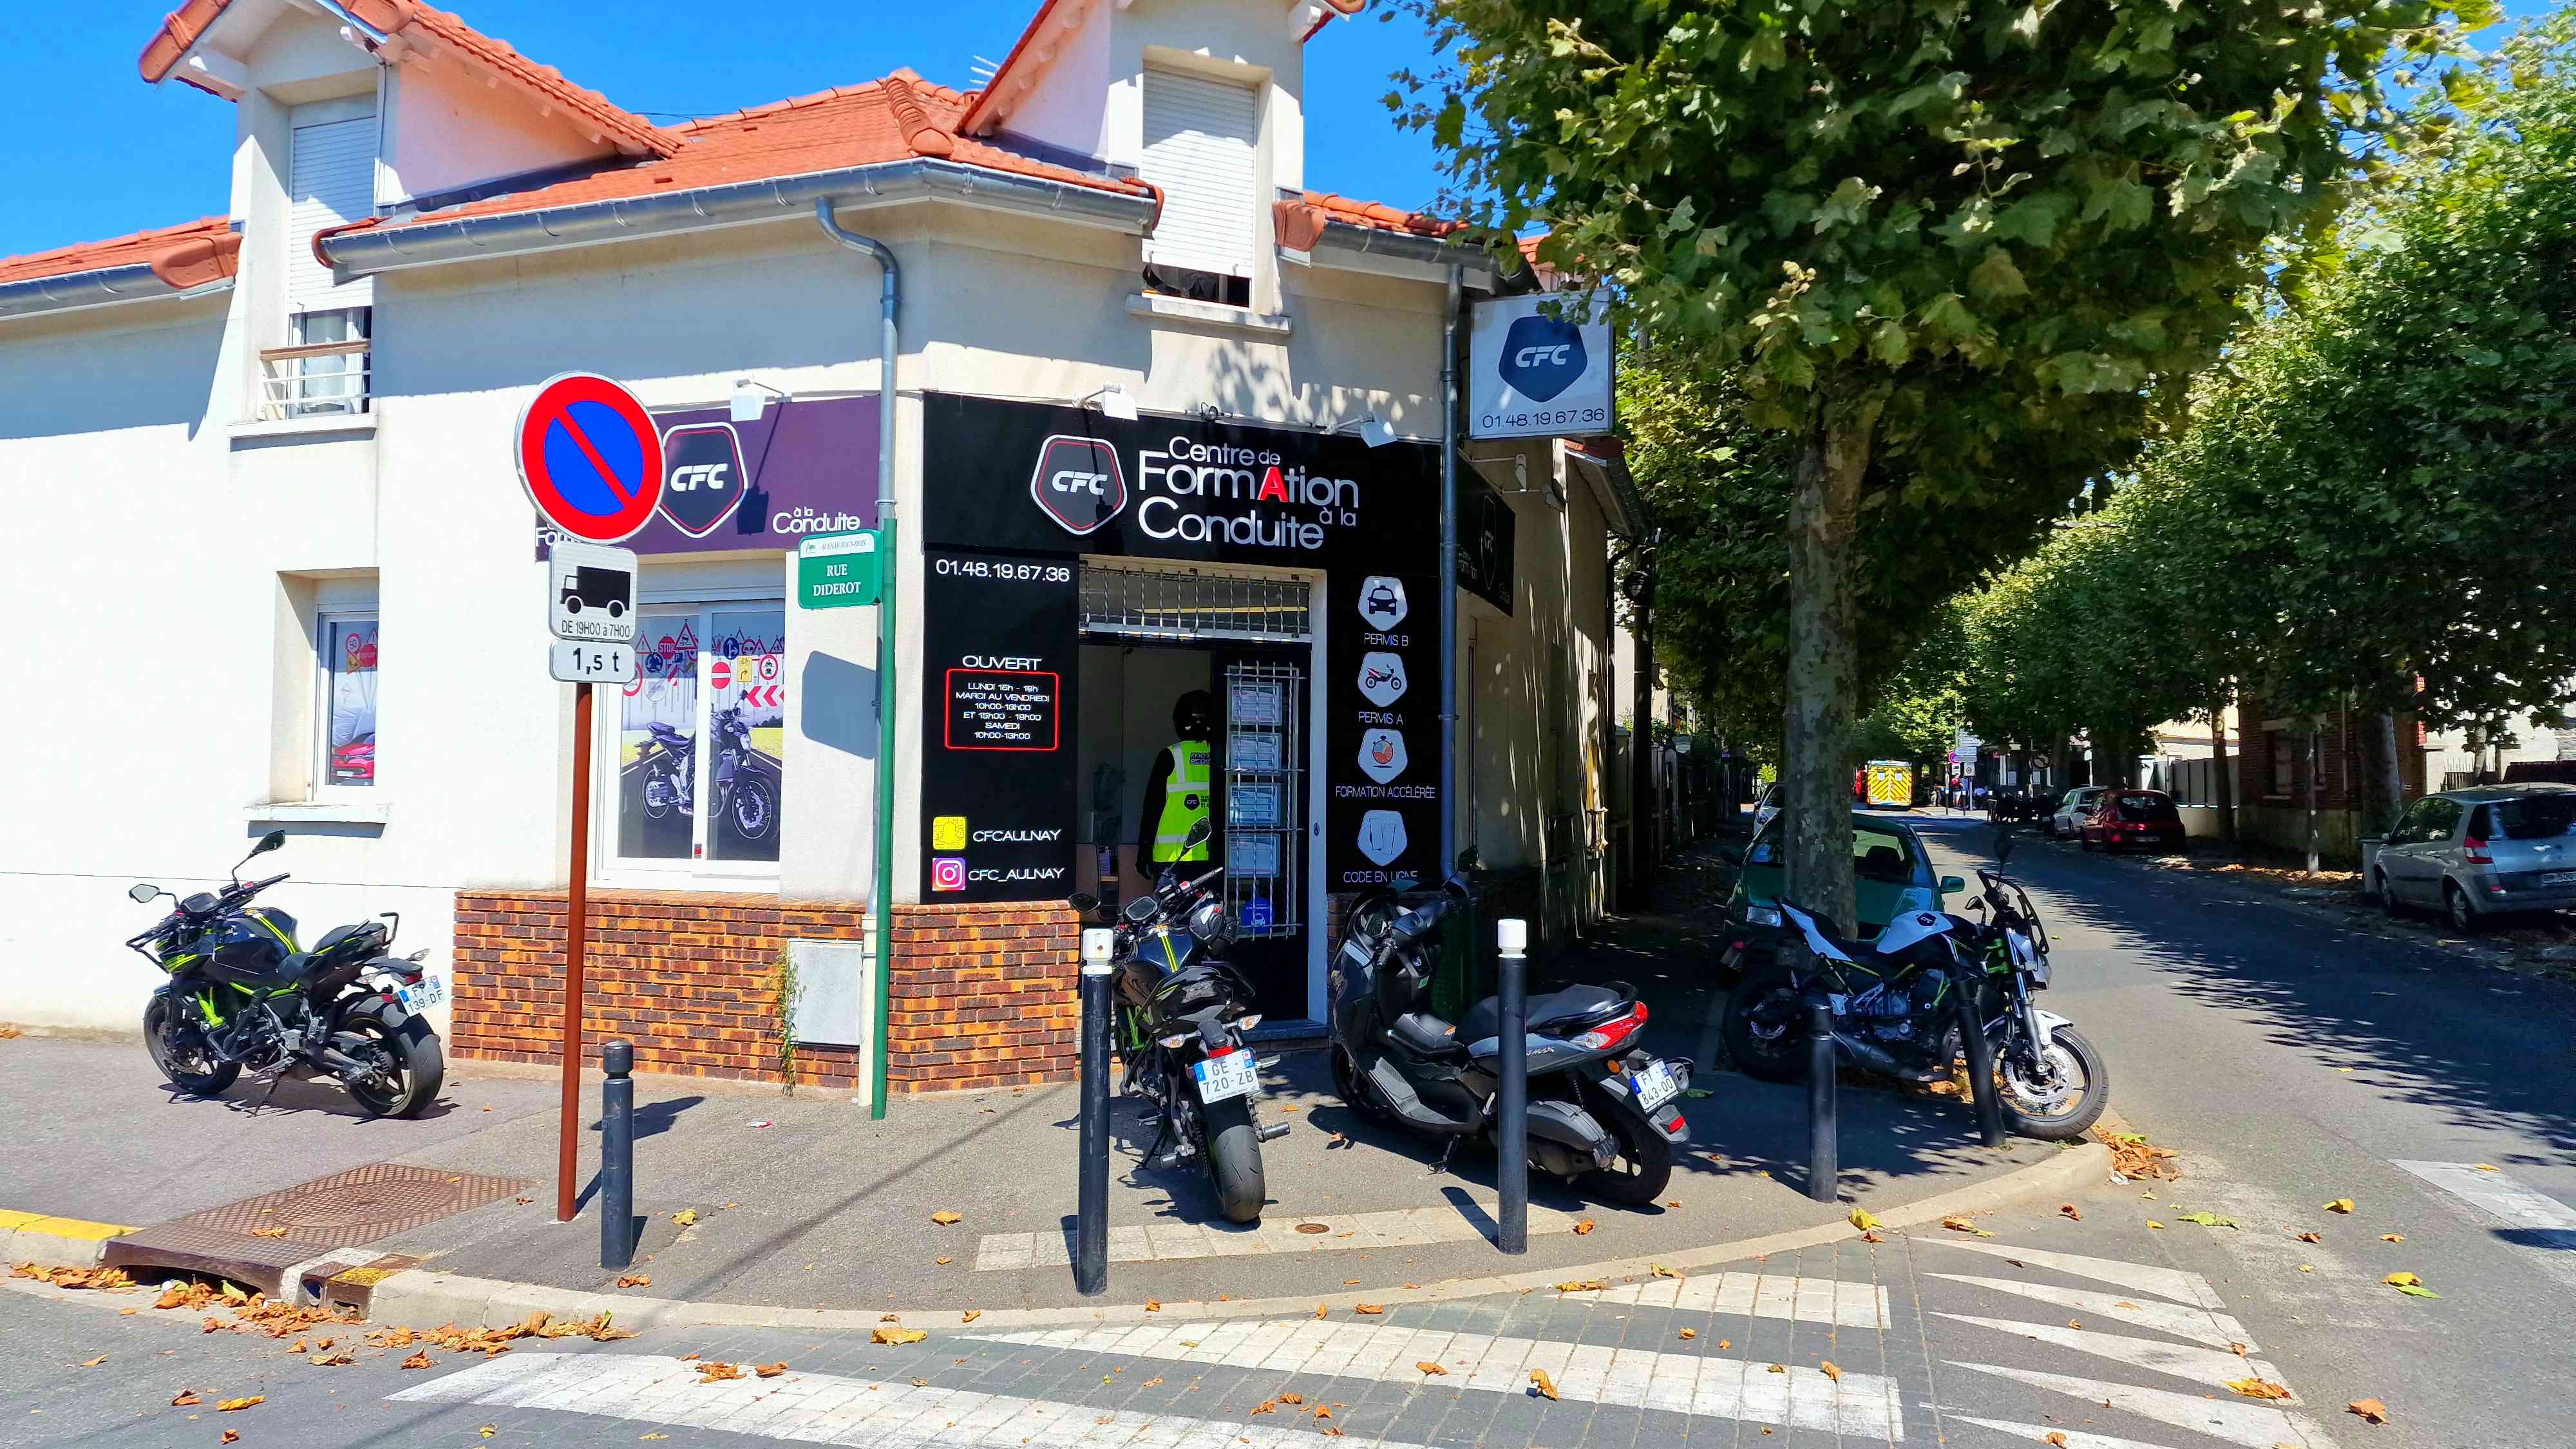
(2222, 778)
(2387, 790)
(2311, 795)
(1823, 683)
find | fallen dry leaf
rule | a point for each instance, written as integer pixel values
(1584, 1227)
(1541, 1384)
(1581, 1285)
(1828, 1368)
(105, 1280)
(1660, 1271)
(2311, 1238)
(1265, 1406)
(1723, 1345)
(2486, 1167)
(231, 1436)
(2238, 1349)
(329, 1360)
(2401, 1280)
(93, 1362)
(943, 1262)
(2053, 1437)
(1872, 1238)
(1368, 1308)
(2069, 1209)
(636, 1280)
(2370, 1409)
(487, 1431)
(970, 1315)
(1777, 1368)
(268, 1232)
(1672, 1202)
(418, 1360)
(2159, 1227)
(2258, 1388)
(235, 1406)
(685, 1216)
(1962, 1225)
(2392, 1237)
(1149, 1383)
(1425, 1365)
(187, 1399)
(897, 1336)
(1153, 1305)
(1689, 1334)
(716, 1372)
(639, 1436)
(1293, 1400)
(945, 1218)
(1861, 1219)
(2340, 1205)
(770, 1370)
(1319, 1310)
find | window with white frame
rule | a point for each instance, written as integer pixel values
(693, 769)
(1202, 149)
(347, 645)
(331, 180)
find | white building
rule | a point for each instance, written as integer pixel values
(323, 585)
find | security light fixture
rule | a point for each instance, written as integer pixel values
(751, 398)
(1376, 431)
(1114, 403)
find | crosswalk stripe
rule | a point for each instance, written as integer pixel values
(2203, 1365)
(2498, 1194)
(2041, 1433)
(1760, 1295)
(2218, 1330)
(1155, 1242)
(830, 1408)
(1863, 1405)
(2171, 1283)
(2241, 1421)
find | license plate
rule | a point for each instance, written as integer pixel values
(1231, 1075)
(1655, 1085)
(427, 994)
(2558, 878)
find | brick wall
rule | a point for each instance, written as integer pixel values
(983, 995)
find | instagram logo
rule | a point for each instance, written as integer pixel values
(948, 872)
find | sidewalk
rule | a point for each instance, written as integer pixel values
(804, 1203)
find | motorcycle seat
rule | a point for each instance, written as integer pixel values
(1420, 1031)
(1574, 1006)
(338, 934)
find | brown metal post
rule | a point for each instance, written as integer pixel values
(567, 1148)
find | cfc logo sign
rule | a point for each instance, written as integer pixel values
(1542, 357)
(1078, 483)
(702, 481)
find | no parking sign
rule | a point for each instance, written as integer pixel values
(590, 457)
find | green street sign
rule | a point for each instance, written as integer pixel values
(839, 570)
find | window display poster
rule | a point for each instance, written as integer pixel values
(999, 639)
(657, 740)
(350, 651)
(1381, 732)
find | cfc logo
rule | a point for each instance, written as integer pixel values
(1078, 483)
(703, 486)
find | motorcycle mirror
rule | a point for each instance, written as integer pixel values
(1199, 834)
(143, 893)
(271, 841)
(1083, 901)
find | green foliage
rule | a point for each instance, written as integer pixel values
(784, 991)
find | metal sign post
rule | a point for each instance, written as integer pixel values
(591, 461)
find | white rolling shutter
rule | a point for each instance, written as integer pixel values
(1201, 140)
(332, 179)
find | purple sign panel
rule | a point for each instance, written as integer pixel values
(805, 466)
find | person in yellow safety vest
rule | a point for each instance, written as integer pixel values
(1179, 792)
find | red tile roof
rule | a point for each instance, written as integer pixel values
(440, 31)
(190, 254)
(1301, 222)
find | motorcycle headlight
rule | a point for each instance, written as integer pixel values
(1762, 915)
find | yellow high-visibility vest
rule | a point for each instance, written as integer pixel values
(1185, 803)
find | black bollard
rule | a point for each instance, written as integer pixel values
(1091, 1222)
(1981, 1071)
(617, 1155)
(1824, 1126)
(1511, 1116)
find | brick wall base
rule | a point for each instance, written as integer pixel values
(983, 995)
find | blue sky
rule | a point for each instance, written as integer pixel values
(97, 153)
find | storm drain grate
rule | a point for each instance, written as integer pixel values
(362, 1205)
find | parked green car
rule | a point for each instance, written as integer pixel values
(1895, 876)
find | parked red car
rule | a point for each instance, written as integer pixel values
(2123, 819)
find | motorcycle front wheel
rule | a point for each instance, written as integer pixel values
(2062, 1109)
(191, 1069)
(1772, 1058)
(1234, 1159)
(755, 806)
(414, 1066)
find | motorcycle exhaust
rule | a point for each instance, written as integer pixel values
(1880, 1062)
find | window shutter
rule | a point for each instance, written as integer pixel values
(1201, 146)
(331, 180)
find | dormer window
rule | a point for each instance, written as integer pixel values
(331, 180)
(1202, 148)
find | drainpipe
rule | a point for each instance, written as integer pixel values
(1449, 576)
(890, 300)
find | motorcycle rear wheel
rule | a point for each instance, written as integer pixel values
(418, 1067)
(1234, 1159)
(160, 1023)
(1644, 1166)
(1777, 1059)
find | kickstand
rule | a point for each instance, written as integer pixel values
(1446, 1153)
(268, 1091)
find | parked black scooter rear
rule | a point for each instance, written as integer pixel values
(1601, 1108)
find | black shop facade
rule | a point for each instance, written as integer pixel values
(1096, 590)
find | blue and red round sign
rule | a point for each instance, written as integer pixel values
(590, 457)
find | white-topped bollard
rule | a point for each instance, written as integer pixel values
(1091, 1208)
(1511, 1116)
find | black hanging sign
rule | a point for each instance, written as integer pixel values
(1382, 731)
(997, 779)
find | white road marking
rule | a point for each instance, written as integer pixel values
(1807, 1300)
(2218, 1330)
(2240, 1421)
(2171, 1283)
(2210, 1366)
(2071, 1438)
(1859, 1405)
(2498, 1195)
(828, 1408)
(1276, 1233)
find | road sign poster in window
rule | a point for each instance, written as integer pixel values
(998, 788)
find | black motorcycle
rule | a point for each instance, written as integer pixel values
(744, 791)
(241, 993)
(1601, 1112)
(1895, 1007)
(1182, 1013)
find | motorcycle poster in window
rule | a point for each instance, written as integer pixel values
(657, 741)
(349, 650)
(747, 715)
(701, 764)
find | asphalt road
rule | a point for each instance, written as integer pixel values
(2296, 1063)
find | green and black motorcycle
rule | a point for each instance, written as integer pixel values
(242, 993)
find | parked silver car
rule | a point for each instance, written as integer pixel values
(2068, 822)
(2481, 852)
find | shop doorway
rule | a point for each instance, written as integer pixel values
(1245, 645)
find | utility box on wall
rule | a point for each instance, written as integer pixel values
(831, 992)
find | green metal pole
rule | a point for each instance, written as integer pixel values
(884, 889)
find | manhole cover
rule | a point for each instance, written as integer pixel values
(353, 1207)
(1313, 1228)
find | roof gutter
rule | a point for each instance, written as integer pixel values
(104, 287)
(1406, 246)
(380, 248)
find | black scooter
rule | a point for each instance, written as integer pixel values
(1601, 1109)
